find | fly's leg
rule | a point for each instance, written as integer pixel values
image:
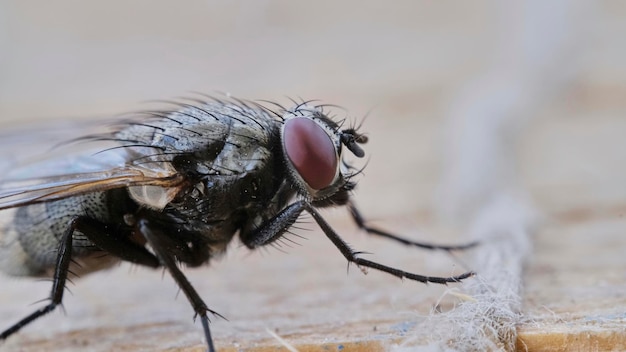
(158, 241)
(279, 224)
(360, 221)
(61, 271)
(97, 232)
(353, 257)
(274, 228)
(114, 243)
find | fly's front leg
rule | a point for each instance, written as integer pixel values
(352, 256)
(273, 228)
(360, 221)
(160, 244)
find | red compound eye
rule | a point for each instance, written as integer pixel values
(311, 152)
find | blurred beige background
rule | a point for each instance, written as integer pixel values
(405, 63)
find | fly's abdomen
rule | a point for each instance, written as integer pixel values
(30, 236)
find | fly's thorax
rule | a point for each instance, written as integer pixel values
(205, 132)
(240, 172)
(201, 143)
(312, 146)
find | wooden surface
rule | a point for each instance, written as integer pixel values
(574, 293)
(305, 296)
(403, 63)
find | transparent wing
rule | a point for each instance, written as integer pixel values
(34, 168)
(27, 143)
(44, 189)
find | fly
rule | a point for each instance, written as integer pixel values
(175, 187)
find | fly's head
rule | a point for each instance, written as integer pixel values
(312, 147)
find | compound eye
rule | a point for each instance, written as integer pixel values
(311, 152)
